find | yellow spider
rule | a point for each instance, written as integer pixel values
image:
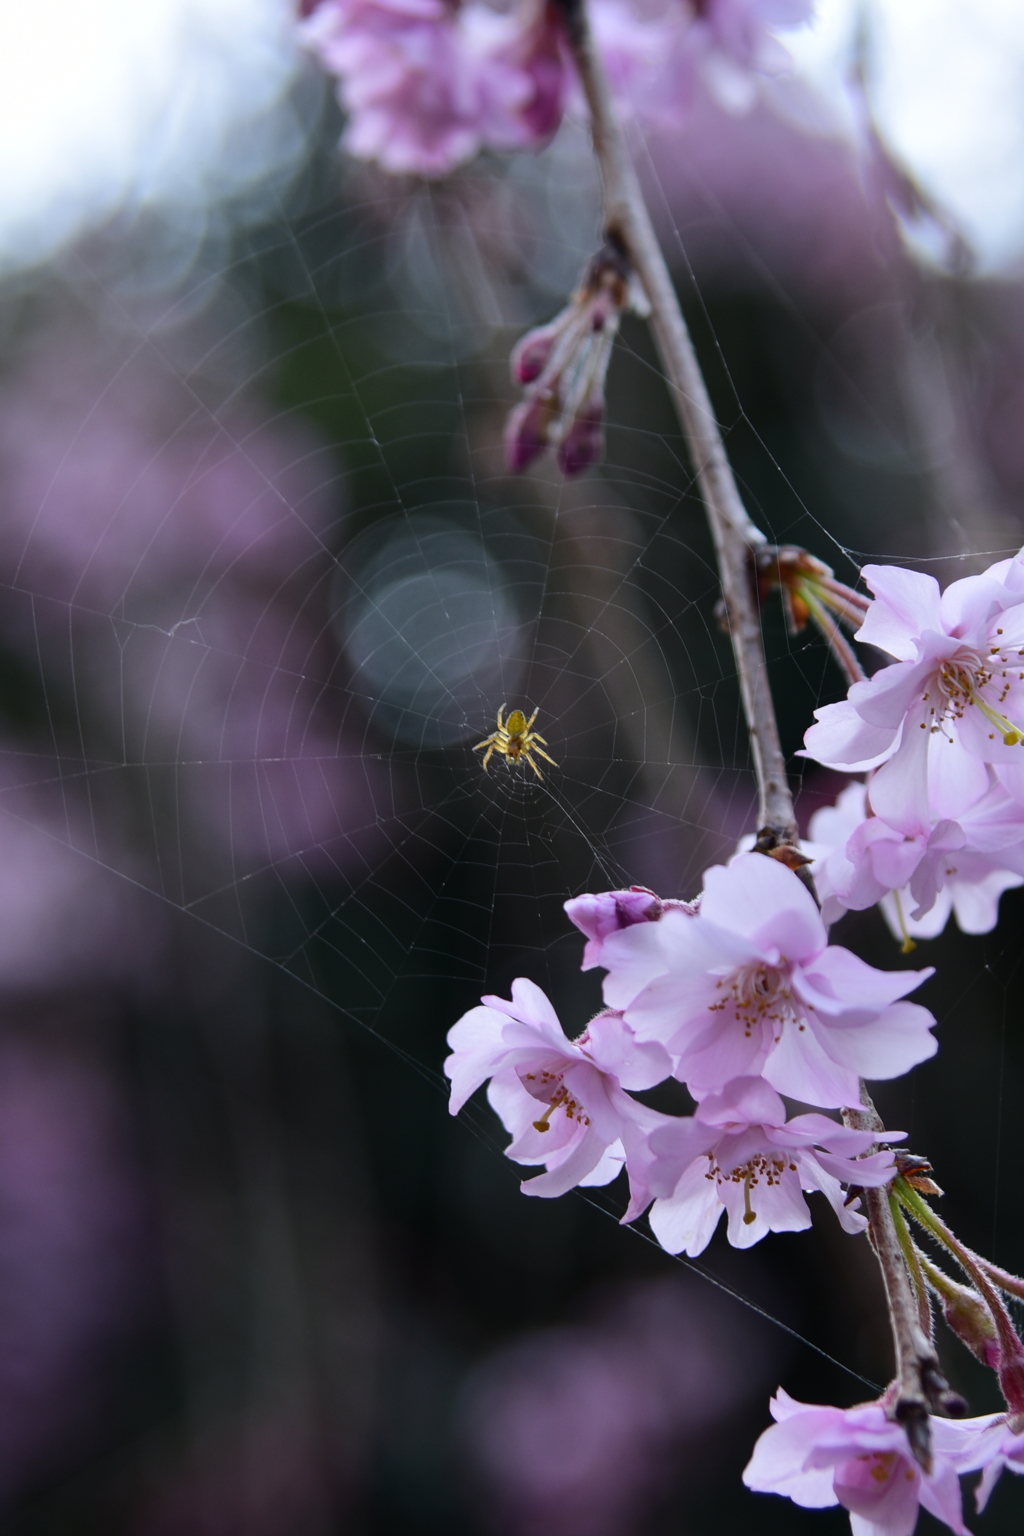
(514, 739)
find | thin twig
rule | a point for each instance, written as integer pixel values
(628, 226)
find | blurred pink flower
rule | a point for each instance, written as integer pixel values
(73, 1273)
(172, 568)
(590, 1423)
(427, 84)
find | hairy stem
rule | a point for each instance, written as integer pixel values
(972, 1266)
(628, 226)
(912, 1259)
(1012, 1284)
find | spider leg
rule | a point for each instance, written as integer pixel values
(533, 765)
(533, 717)
(544, 755)
(491, 741)
(489, 753)
(536, 736)
(501, 711)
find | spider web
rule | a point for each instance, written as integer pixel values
(267, 584)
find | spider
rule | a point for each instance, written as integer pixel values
(513, 739)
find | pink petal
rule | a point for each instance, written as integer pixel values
(763, 901)
(838, 982)
(477, 1048)
(779, 1462)
(906, 602)
(685, 1222)
(887, 1047)
(843, 739)
(746, 1100)
(615, 1049)
(800, 1068)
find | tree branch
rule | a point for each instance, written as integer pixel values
(919, 1385)
(628, 226)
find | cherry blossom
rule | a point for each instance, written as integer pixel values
(739, 1154)
(921, 877)
(748, 985)
(427, 85)
(951, 702)
(586, 1126)
(859, 1458)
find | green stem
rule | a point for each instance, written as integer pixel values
(912, 1258)
(970, 1263)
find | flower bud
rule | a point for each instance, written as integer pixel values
(562, 367)
(970, 1319)
(583, 444)
(530, 355)
(527, 432)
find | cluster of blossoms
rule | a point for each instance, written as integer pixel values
(740, 996)
(939, 825)
(428, 84)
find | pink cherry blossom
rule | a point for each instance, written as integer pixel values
(859, 1458)
(749, 985)
(919, 878)
(561, 1100)
(739, 1154)
(427, 85)
(997, 1445)
(951, 702)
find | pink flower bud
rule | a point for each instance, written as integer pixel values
(530, 355)
(969, 1318)
(526, 432)
(583, 444)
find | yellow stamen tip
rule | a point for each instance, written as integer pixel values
(908, 946)
(541, 1125)
(749, 1216)
(1013, 739)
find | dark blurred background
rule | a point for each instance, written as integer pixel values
(265, 584)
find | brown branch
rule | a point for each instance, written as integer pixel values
(920, 1386)
(628, 225)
